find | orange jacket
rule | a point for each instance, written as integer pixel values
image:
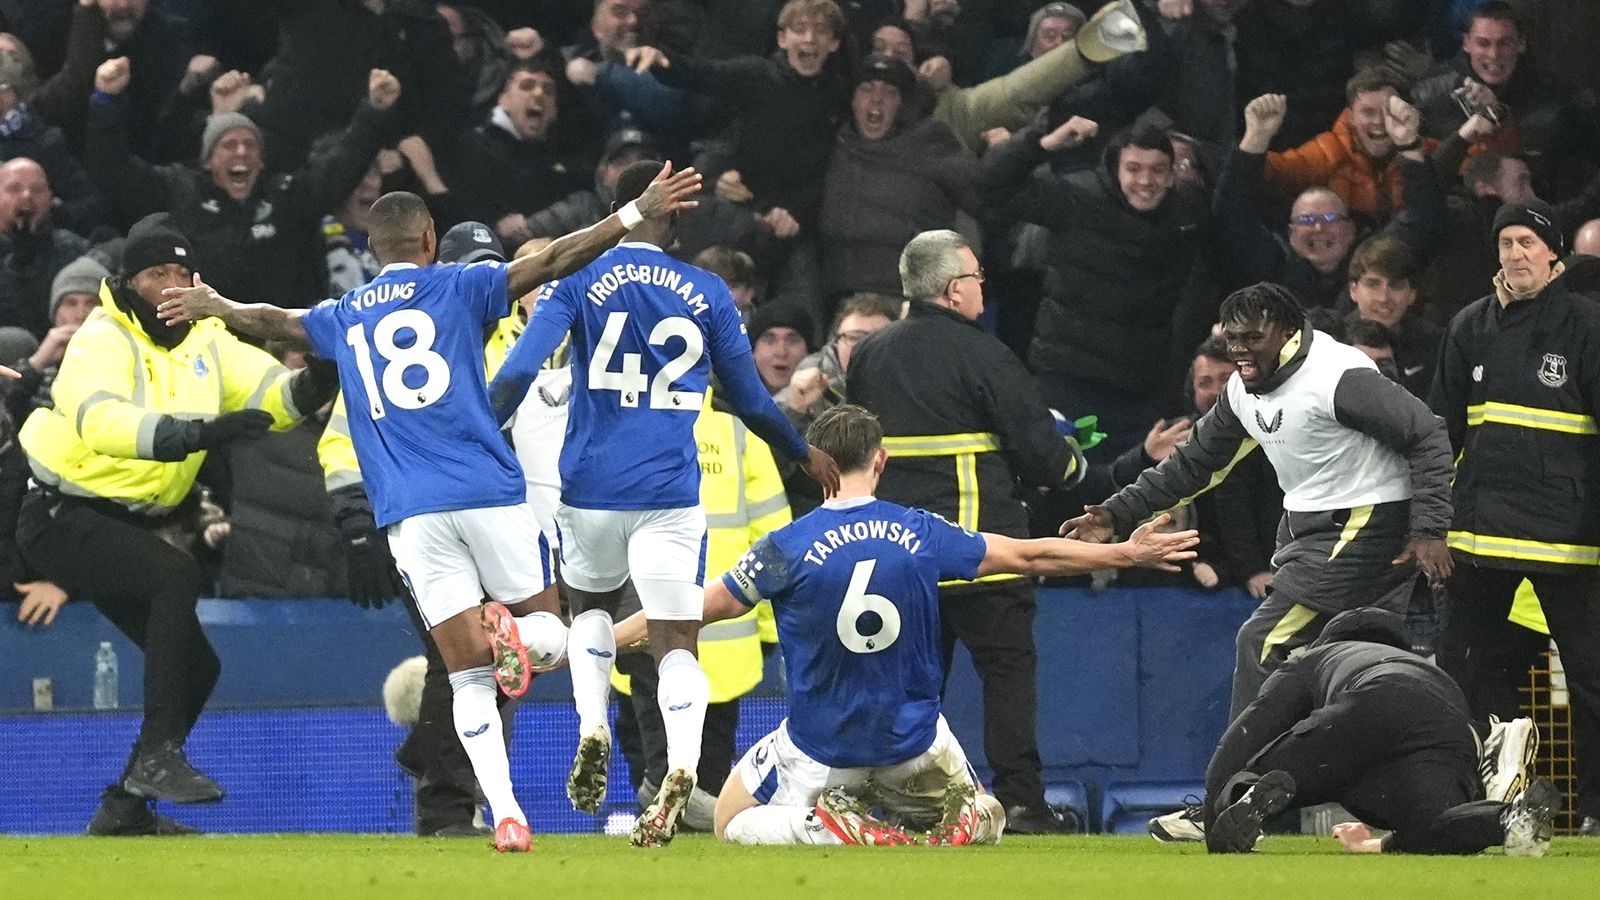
(1334, 159)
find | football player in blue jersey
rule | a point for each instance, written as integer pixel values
(647, 332)
(854, 589)
(442, 480)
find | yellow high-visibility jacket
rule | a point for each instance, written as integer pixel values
(744, 499)
(113, 387)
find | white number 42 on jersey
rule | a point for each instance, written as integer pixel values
(631, 381)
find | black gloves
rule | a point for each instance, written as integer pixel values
(176, 438)
(230, 427)
(372, 577)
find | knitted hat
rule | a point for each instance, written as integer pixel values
(81, 276)
(219, 125)
(1537, 216)
(782, 315)
(152, 242)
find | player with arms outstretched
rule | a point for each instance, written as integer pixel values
(442, 480)
(854, 588)
(647, 332)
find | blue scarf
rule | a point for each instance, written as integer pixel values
(12, 123)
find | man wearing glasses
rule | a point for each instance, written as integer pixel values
(964, 426)
(1313, 261)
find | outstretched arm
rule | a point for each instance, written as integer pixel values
(569, 253)
(1215, 446)
(720, 604)
(1055, 557)
(260, 320)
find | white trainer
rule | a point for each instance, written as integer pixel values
(1507, 753)
(1181, 827)
(1115, 30)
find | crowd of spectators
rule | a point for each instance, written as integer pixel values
(1353, 151)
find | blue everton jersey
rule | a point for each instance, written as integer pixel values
(410, 350)
(854, 587)
(646, 331)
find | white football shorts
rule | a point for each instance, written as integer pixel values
(451, 559)
(663, 550)
(777, 772)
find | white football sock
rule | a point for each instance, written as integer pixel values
(591, 650)
(682, 694)
(478, 727)
(778, 825)
(545, 637)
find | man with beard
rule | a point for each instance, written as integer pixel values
(257, 236)
(1364, 465)
(139, 403)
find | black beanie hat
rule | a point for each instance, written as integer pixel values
(153, 242)
(782, 315)
(1537, 216)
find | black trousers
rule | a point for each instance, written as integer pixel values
(643, 737)
(1385, 750)
(146, 587)
(447, 792)
(1326, 563)
(995, 622)
(1489, 657)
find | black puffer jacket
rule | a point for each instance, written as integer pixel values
(880, 194)
(1116, 275)
(283, 543)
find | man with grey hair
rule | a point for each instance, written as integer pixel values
(964, 426)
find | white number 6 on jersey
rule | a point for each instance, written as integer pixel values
(858, 601)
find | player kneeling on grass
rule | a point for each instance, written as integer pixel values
(1360, 720)
(854, 589)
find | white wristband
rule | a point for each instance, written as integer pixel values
(630, 215)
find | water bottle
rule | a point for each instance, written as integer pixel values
(105, 677)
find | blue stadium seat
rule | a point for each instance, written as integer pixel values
(1071, 799)
(1127, 805)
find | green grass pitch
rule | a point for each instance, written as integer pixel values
(394, 867)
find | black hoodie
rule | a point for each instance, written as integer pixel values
(1364, 645)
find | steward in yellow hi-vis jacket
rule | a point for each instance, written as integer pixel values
(137, 405)
(967, 434)
(744, 499)
(1519, 389)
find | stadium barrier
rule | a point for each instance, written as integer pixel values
(1133, 689)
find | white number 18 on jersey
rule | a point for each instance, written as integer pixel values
(419, 355)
